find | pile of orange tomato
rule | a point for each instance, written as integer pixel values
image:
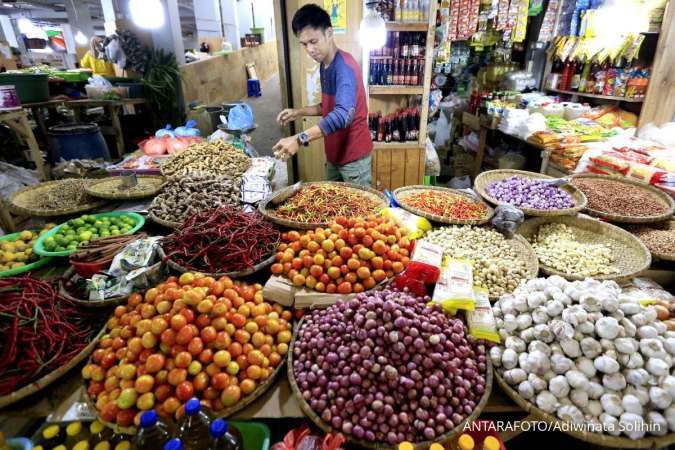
(351, 255)
(191, 336)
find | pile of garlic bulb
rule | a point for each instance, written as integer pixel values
(589, 354)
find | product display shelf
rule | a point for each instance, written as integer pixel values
(602, 97)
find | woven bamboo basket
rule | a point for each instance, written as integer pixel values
(633, 256)
(178, 268)
(601, 439)
(113, 301)
(23, 199)
(381, 445)
(269, 212)
(663, 198)
(48, 379)
(669, 226)
(400, 195)
(485, 179)
(162, 222)
(148, 186)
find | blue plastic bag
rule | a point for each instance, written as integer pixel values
(240, 117)
(166, 131)
(188, 130)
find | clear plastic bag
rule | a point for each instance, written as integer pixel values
(240, 117)
(507, 218)
(301, 439)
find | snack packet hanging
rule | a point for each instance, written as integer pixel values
(454, 289)
(481, 321)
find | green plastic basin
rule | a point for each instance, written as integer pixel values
(34, 265)
(30, 87)
(256, 435)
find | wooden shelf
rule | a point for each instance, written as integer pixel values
(407, 26)
(396, 90)
(392, 145)
(603, 97)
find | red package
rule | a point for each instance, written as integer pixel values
(633, 155)
(612, 161)
(301, 439)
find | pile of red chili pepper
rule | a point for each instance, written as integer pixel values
(445, 204)
(222, 241)
(323, 203)
(40, 331)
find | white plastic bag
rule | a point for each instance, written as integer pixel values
(432, 167)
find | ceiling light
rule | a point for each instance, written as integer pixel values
(80, 38)
(373, 30)
(148, 14)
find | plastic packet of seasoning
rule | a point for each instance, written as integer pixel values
(414, 226)
(454, 289)
(481, 321)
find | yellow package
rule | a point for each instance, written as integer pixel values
(481, 321)
(414, 226)
(454, 289)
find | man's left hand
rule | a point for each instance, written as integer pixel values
(286, 147)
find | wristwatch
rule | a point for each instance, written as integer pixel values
(303, 139)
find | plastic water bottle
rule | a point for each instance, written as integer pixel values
(193, 428)
(225, 437)
(174, 444)
(153, 433)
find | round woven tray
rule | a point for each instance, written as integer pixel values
(656, 255)
(381, 445)
(113, 301)
(178, 268)
(663, 198)
(148, 186)
(269, 213)
(487, 178)
(54, 375)
(22, 200)
(399, 196)
(633, 256)
(162, 222)
(601, 439)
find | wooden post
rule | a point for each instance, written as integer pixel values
(659, 104)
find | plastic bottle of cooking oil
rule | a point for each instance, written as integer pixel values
(224, 436)
(174, 444)
(153, 433)
(193, 429)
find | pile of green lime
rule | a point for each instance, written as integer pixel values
(87, 228)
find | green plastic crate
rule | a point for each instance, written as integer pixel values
(256, 435)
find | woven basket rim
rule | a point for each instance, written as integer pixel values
(67, 275)
(530, 226)
(658, 194)
(262, 206)
(52, 376)
(657, 255)
(304, 406)
(120, 196)
(48, 213)
(178, 268)
(162, 222)
(586, 436)
(442, 219)
(484, 179)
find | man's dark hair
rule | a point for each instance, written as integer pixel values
(310, 15)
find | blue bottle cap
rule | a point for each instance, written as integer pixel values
(149, 419)
(192, 406)
(218, 428)
(174, 444)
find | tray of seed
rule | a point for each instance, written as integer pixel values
(216, 158)
(55, 198)
(181, 197)
(619, 199)
(444, 205)
(317, 204)
(577, 248)
(114, 188)
(658, 237)
(499, 264)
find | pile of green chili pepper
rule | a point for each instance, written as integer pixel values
(445, 204)
(319, 203)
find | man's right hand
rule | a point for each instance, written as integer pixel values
(288, 115)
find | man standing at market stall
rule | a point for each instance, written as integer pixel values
(343, 107)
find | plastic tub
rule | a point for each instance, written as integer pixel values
(29, 86)
(256, 435)
(87, 270)
(78, 141)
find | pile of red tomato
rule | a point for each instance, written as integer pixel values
(191, 336)
(351, 255)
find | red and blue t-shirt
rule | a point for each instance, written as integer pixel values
(345, 113)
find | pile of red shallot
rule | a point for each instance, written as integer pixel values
(386, 367)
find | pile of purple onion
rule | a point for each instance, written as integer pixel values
(530, 193)
(385, 367)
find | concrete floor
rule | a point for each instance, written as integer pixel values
(265, 110)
